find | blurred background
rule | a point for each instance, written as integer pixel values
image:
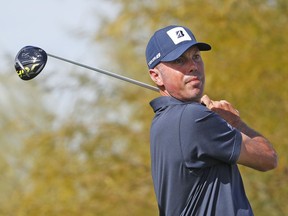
(75, 142)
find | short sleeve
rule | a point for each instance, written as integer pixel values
(206, 139)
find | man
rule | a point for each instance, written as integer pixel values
(196, 143)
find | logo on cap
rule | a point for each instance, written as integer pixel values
(178, 35)
(154, 58)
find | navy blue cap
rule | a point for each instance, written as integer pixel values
(169, 43)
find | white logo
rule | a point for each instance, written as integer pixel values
(178, 34)
(154, 58)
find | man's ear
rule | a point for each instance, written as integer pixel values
(156, 76)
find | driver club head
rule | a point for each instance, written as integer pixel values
(29, 62)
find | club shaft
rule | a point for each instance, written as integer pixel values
(117, 76)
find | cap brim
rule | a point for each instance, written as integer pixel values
(181, 49)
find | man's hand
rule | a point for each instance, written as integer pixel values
(224, 109)
(256, 151)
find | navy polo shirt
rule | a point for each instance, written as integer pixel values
(193, 161)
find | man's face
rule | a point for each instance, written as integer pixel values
(182, 78)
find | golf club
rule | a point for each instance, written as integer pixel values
(30, 61)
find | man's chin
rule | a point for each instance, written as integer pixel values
(192, 98)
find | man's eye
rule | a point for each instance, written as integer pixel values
(196, 57)
(178, 61)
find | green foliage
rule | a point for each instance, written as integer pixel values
(97, 161)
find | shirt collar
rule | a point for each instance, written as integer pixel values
(165, 101)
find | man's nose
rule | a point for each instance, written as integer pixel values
(192, 64)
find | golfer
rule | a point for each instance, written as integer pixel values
(196, 143)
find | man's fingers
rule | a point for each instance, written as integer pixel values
(206, 100)
(217, 106)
